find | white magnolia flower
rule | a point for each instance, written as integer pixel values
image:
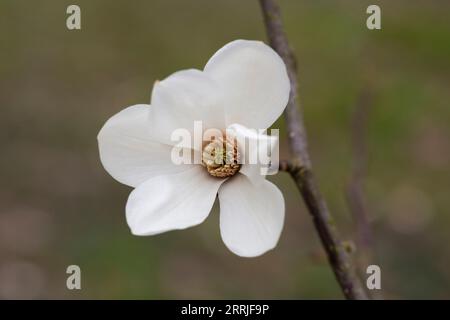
(244, 85)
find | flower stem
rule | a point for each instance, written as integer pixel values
(300, 166)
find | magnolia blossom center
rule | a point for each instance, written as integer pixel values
(221, 158)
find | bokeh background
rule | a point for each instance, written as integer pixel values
(59, 207)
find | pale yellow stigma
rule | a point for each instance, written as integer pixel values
(221, 158)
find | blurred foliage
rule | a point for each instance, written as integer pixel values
(59, 207)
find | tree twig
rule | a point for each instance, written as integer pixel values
(355, 192)
(355, 188)
(300, 166)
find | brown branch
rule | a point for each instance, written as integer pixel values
(355, 188)
(355, 192)
(300, 167)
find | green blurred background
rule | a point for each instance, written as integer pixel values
(59, 207)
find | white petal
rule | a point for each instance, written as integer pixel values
(182, 98)
(258, 151)
(254, 80)
(251, 217)
(128, 152)
(172, 202)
